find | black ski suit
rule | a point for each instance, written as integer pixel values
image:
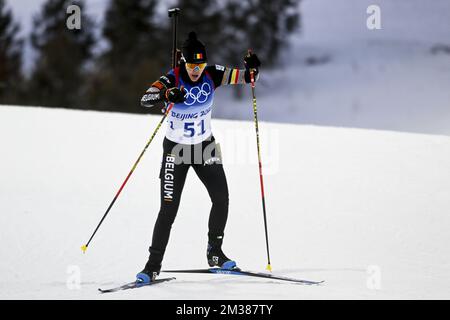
(189, 142)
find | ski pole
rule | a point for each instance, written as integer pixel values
(172, 13)
(84, 247)
(255, 114)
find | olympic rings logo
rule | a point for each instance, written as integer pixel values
(196, 94)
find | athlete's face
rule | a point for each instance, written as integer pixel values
(194, 70)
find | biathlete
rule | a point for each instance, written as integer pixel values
(189, 142)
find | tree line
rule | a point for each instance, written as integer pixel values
(70, 71)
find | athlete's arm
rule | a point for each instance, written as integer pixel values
(157, 93)
(223, 76)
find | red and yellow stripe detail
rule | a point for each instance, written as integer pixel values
(234, 76)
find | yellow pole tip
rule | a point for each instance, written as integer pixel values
(84, 248)
(269, 268)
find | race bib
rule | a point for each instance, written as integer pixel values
(190, 122)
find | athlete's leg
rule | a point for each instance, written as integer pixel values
(173, 176)
(212, 175)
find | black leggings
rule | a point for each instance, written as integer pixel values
(206, 161)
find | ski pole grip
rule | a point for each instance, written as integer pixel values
(252, 70)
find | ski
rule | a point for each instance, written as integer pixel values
(134, 285)
(239, 272)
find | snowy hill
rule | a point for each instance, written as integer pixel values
(364, 210)
(389, 79)
(395, 78)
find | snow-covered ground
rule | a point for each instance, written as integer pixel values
(364, 210)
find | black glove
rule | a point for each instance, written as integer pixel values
(251, 61)
(175, 95)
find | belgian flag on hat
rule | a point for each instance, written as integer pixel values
(194, 51)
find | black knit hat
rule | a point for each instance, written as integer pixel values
(194, 51)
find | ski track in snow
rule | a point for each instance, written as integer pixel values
(338, 201)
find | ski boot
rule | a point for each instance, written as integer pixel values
(149, 274)
(216, 258)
